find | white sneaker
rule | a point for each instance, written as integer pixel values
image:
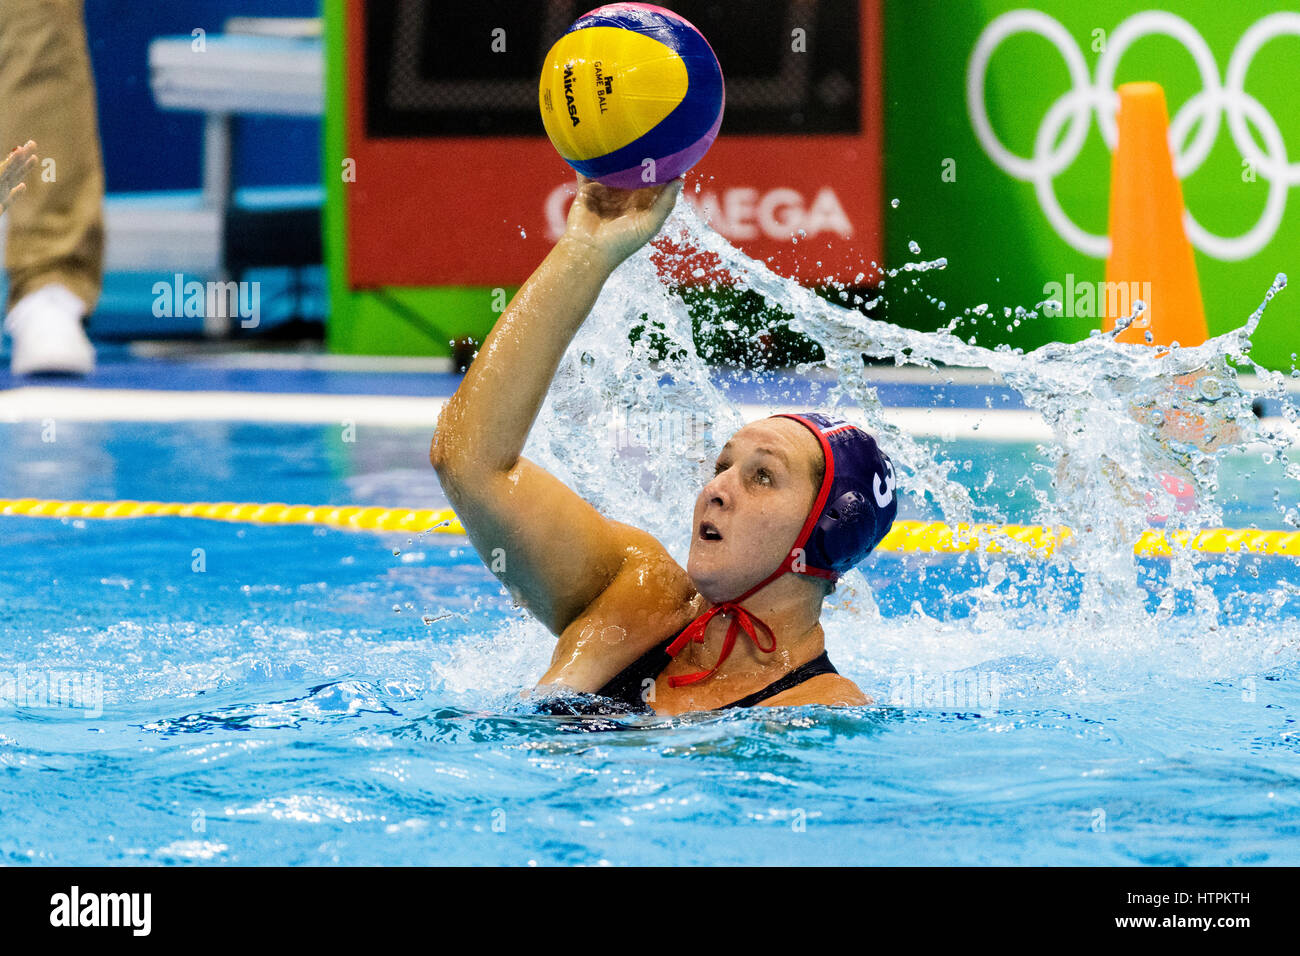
(47, 335)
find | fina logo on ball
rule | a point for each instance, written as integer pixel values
(604, 88)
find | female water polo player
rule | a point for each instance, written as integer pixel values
(796, 500)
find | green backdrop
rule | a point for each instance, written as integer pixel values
(990, 225)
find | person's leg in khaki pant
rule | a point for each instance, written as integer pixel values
(55, 248)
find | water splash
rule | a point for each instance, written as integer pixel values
(1122, 417)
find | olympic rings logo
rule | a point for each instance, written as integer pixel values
(1072, 113)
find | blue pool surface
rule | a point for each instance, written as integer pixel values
(291, 695)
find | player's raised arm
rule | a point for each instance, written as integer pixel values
(552, 548)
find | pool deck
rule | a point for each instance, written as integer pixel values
(164, 382)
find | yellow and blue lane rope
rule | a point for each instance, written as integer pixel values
(906, 537)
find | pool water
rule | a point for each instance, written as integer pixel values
(286, 695)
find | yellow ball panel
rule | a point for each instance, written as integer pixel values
(605, 87)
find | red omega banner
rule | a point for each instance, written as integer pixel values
(456, 183)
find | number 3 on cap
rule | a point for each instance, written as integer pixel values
(886, 494)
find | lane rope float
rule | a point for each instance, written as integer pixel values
(355, 517)
(906, 537)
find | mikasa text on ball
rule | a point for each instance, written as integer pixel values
(632, 95)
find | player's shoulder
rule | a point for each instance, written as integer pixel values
(649, 582)
(650, 599)
(830, 690)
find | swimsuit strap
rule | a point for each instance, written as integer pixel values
(626, 686)
(818, 665)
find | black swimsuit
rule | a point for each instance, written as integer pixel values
(622, 693)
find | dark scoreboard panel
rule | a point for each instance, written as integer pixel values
(470, 69)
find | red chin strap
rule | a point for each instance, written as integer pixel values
(740, 620)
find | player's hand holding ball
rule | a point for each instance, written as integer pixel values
(617, 222)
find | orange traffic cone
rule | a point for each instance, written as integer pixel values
(1150, 255)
